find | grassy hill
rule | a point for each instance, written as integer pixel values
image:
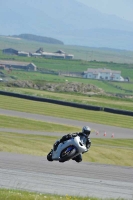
(38, 38)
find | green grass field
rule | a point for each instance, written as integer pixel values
(106, 151)
(76, 66)
(27, 124)
(40, 78)
(65, 112)
(96, 100)
(24, 195)
(72, 65)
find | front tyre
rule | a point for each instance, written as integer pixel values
(49, 156)
(67, 155)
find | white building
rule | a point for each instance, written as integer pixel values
(103, 74)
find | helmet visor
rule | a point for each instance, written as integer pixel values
(87, 132)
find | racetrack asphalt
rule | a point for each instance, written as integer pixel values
(101, 129)
(35, 173)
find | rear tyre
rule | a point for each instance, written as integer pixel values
(67, 156)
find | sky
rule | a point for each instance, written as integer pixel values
(120, 8)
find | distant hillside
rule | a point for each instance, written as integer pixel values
(67, 20)
(37, 38)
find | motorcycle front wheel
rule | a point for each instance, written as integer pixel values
(65, 156)
(49, 156)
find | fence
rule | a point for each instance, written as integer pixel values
(64, 103)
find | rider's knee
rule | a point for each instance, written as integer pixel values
(78, 158)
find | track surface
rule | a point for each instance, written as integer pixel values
(86, 179)
(117, 131)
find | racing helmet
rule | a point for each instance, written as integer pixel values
(86, 130)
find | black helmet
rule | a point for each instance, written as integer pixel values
(86, 130)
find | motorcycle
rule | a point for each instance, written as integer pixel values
(68, 149)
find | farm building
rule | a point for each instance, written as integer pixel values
(53, 55)
(58, 54)
(19, 65)
(40, 50)
(36, 54)
(31, 67)
(22, 53)
(10, 51)
(67, 56)
(40, 53)
(103, 74)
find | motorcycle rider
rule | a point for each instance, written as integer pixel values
(84, 136)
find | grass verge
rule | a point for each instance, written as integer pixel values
(106, 151)
(67, 112)
(24, 195)
(103, 101)
(27, 124)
